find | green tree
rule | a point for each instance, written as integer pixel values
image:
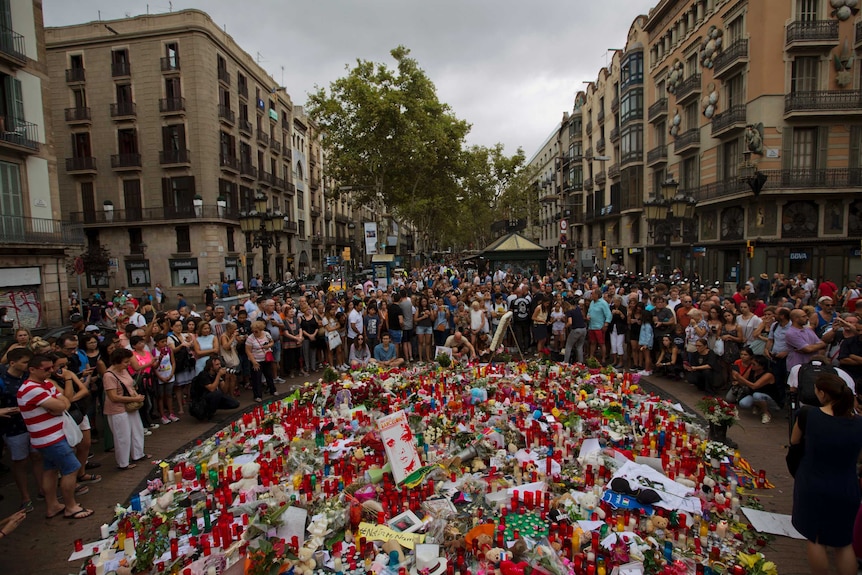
(388, 137)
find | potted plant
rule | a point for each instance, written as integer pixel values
(108, 206)
(221, 202)
(720, 415)
(444, 359)
(593, 365)
(198, 203)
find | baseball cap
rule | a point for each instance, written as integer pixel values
(91, 328)
(824, 298)
(578, 293)
(76, 317)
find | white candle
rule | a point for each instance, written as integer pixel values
(100, 567)
(129, 547)
(211, 570)
(171, 476)
(105, 531)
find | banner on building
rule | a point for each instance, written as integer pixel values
(370, 238)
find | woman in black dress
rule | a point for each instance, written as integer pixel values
(826, 492)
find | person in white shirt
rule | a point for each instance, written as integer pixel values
(135, 318)
(355, 323)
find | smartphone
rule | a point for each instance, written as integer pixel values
(686, 364)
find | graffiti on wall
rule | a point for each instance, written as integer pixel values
(22, 307)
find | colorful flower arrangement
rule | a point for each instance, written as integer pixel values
(717, 411)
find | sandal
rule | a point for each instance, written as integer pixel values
(89, 478)
(55, 514)
(127, 467)
(142, 458)
(82, 513)
(81, 490)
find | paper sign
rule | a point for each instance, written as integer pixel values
(444, 350)
(384, 533)
(400, 445)
(293, 524)
(774, 523)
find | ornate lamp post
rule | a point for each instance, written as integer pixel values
(264, 225)
(665, 213)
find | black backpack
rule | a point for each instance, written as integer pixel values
(807, 377)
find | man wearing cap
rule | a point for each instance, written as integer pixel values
(763, 287)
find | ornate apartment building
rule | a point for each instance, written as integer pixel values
(36, 239)
(168, 131)
(753, 111)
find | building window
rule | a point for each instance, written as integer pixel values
(227, 190)
(730, 159)
(172, 53)
(79, 97)
(690, 173)
(184, 240)
(300, 200)
(691, 66)
(660, 134)
(807, 10)
(184, 272)
(241, 85)
(631, 105)
(124, 93)
(127, 141)
(804, 148)
(734, 91)
(81, 145)
(11, 200)
(659, 177)
(136, 241)
(691, 117)
(804, 74)
(227, 145)
(138, 272)
(173, 90)
(631, 143)
(246, 198)
(301, 227)
(632, 70)
(178, 195)
(735, 30)
(231, 246)
(132, 200)
(88, 201)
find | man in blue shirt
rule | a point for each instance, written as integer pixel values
(598, 317)
(385, 353)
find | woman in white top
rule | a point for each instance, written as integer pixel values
(477, 320)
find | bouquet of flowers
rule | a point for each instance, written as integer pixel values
(717, 411)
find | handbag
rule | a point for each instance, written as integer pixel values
(75, 412)
(230, 357)
(73, 433)
(718, 347)
(131, 406)
(333, 338)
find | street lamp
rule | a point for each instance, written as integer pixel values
(264, 225)
(667, 211)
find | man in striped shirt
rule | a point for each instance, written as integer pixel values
(42, 406)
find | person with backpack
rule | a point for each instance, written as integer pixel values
(802, 378)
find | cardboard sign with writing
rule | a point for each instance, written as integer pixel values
(385, 533)
(400, 445)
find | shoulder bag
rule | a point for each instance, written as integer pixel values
(131, 406)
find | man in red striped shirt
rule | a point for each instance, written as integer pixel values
(42, 406)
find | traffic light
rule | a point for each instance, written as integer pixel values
(749, 248)
(604, 246)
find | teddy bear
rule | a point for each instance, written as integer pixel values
(163, 502)
(306, 564)
(249, 477)
(495, 555)
(589, 503)
(656, 523)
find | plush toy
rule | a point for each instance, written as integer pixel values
(163, 503)
(589, 503)
(512, 568)
(656, 523)
(306, 564)
(483, 542)
(393, 545)
(519, 550)
(495, 555)
(249, 477)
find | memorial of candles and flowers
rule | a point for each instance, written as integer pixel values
(511, 469)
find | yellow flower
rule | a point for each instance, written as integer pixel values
(769, 568)
(749, 560)
(556, 413)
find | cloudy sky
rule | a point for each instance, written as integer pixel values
(509, 68)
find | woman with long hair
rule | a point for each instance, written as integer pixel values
(22, 339)
(228, 344)
(330, 324)
(126, 427)
(667, 361)
(291, 342)
(424, 323)
(826, 490)
(206, 346)
(634, 319)
(617, 330)
(539, 331)
(257, 347)
(182, 344)
(360, 355)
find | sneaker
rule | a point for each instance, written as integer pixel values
(154, 426)
(278, 380)
(147, 432)
(173, 417)
(766, 418)
(644, 373)
(165, 421)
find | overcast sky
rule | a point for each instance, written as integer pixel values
(509, 68)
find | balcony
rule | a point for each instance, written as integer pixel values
(121, 69)
(327, 214)
(600, 145)
(615, 104)
(229, 164)
(172, 105)
(588, 155)
(657, 110)
(687, 141)
(615, 135)
(291, 227)
(247, 171)
(275, 146)
(614, 171)
(19, 135)
(588, 184)
(23, 230)
(81, 165)
(314, 182)
(12, 47)
(158, 214)
(632, 157)
(75, 76)
(342, 218)
(124, 110)
(262, 138)
(823, 102)
(265, 178)
(242, 90)
(657, 155)
(729, 120)
(589, 128)
(601, 178)
(317, 239)
(170, 63)
(689, 88)
(78, 115)
(601, 117)
(730, 59)
(245, 127)
(289, 188)
(315, 212)
(226, 115)
(224, 76)
(126, 161)
(801, 34)
(278, 183)
(176, 158)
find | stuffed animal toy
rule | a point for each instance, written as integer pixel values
(656, 523)
(306, 564)
(589, 503)
(495, 555)
(163, 503)
(249, 477)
